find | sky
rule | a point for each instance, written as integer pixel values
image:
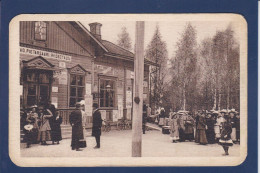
(170, 31)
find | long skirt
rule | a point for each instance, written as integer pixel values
(182, 135)
(217, 131)
(202, 139)
(196, 136)
(233, 134)
(44, 136)
(210, 136)
(31, 136)
(161, 121)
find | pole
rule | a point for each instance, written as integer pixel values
(138, 90)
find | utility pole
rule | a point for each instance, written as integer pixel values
(138, 90)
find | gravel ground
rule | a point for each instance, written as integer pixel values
(118, 144)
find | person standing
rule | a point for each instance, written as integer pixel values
(174, 131)
(32, 133)
(218, 125)
(225, 139)
(181, 127)
(237, 127)
(55, 123)
(233, 123)
(144, 118)
(75, 120)
(44, 129)
(210, 133)
(202, 139)
(97, 124)
(189, 128)
(162, 117)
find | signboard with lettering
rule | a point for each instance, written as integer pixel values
(54, 101)
(62, 76)
(103, 114)
(128, 99)
(45, 54)
(88, 104)
(102, 69)
(115, 115)
(120, 106)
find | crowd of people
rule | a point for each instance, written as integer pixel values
(204, 127)
(41, 125)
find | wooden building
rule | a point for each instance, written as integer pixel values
(65, 63)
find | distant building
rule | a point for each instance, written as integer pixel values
(64, 62)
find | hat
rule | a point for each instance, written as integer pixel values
(28, 127)
(215, 112)
(223, 111)
(82, 102)
(34, 106)
(232, 111)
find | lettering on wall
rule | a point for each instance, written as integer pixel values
(45, 54)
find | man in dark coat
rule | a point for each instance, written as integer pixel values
(144, 117)
(97, 123)
(77, 129)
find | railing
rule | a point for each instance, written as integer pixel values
(65, 113)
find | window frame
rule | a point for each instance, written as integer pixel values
(107, 78)
(34, 33)
(76, 86)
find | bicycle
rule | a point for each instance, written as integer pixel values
(123, 124)
(106, 127)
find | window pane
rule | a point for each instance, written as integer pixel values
(32, 90)
(106, 99)
(73, 79)
(44, 95)
(80, 92)
(102, 84)
(111, 99)
(40, 30)
(44, 78)
(72, 101)
(73, 91)
(81, 80)
(31, 77)
(31, 100)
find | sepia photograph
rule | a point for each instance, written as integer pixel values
(128, 90)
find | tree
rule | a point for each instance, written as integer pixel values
(184, 71)
(157, 52)
(124, 39)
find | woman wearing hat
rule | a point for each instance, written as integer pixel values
(32, 126)
(225, 139)
(202, 139)
(218, 125)
(174, 131)
(45, 129)
(210, 133)
(233, 123)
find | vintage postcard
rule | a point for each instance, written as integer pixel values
(128, 90)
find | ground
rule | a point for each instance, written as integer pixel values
(118, 144)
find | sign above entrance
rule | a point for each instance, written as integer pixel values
(45, 54)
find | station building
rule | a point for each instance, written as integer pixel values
(64, 62)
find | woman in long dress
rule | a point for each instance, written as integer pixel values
(233, 123)
(225, 139)
(218, 125)
(202, 139)
(55, 122)
(32, 119)
(189, 128)
(174, 132)
(210, 133)
(44, 129)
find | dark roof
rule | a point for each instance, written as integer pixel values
(119, 51)
(115, 49)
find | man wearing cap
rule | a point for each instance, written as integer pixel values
(97, 123)
(77, 129)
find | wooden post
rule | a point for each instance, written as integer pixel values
(138, 90)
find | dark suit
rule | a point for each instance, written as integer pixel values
(96, 129)
(77, 129)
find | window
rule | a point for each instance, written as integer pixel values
(40, 31)
(77, 89)
(37, 84)
(107, 93)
